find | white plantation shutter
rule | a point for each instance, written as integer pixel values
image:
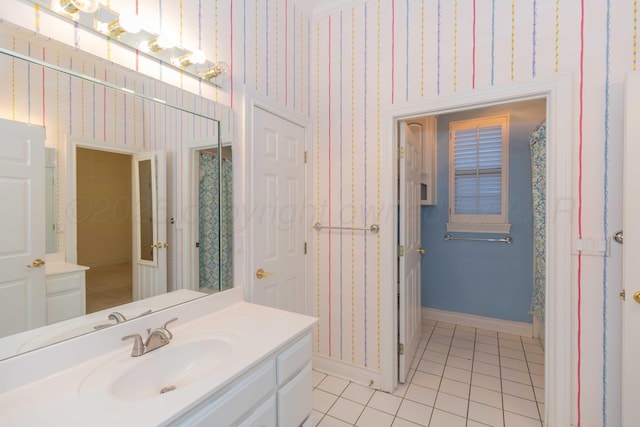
(478, 173)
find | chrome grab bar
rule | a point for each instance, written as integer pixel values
(374, 228)
(507, 239)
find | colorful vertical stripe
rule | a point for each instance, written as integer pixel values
(473, 48)
(513, 39)
(366, 134)
(534, 36)
(605, 216)
(329, 243)
(580, 182)
(353, 189)
(455, 45)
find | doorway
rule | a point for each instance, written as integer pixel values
(558, 319)
(104, 226)
(479, 289)
(208, 217)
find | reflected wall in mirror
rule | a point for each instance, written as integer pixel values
(51, 200)
(81, 113)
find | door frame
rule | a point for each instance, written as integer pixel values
(243, 258)
(71, 223)
(558, 320)
(189, 225)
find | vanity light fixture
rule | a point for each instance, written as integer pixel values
(190, 58)
(127, 22)
(218, 69)
(130, 30)
(158, 43)
(72, 8)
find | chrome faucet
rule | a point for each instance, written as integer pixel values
(158, 337)
(119, 318)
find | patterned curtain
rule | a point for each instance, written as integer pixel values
(538, 145)
(209, 222)
(216, 223)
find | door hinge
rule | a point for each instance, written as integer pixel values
(305, 248)
(400, 250)
(401, 349)
(623, 295)
(401, 152)
(305, 156)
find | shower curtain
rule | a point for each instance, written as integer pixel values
(537, 143)
(216, 228)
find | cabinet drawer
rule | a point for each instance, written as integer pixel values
(290, 361)
(65, 306)
(295, 399)
(231, 404)
(64, 282)
(264, 416)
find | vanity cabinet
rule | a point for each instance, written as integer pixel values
(66, 295)
(277, 392)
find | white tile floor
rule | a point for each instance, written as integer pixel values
(461, 376)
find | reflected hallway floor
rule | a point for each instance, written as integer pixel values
(108, 286)
(460, 376)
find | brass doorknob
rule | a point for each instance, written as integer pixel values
(261, 274)
(636, 297)
(422, 251)
(36, 263)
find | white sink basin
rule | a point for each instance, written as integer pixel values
(174, 366)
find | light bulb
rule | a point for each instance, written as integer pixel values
(188, 59)
(72, 8)
(161, 42)
(220, 69)
(127, 22)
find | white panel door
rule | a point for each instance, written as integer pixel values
(631, 255)
(22, 234)
(410, 323)
(150, 230)
(277, 213)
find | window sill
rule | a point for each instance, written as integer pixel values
(457, 227)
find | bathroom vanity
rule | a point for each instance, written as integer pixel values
(66, 293)
(229, 363)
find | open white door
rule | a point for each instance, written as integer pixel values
(22, 245)
(277, 219)
(150, 224)
(410, 251)
(631, 255)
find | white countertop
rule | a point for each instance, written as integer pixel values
(59, 331)
(53, 268)
(58, 399)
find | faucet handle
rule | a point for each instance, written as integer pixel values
(165, 326)
(138, 345)
(118, 317)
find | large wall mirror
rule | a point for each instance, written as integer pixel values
(137, 185)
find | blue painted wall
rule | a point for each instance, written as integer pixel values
(483, 278)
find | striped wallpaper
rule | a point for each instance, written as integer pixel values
(343, 70)
(394, 52)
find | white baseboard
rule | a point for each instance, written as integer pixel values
(489, 323)
(358, 374)
(538, 329)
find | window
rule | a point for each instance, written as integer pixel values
(478, 175)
